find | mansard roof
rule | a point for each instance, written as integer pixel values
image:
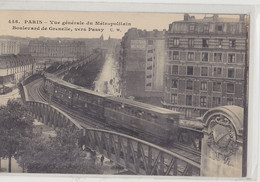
(12, 60)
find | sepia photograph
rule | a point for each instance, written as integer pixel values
(110, 93)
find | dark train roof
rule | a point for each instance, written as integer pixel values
(142, 105)
(72, 86)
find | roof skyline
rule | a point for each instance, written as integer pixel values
(51, 24)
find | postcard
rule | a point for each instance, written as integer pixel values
(124, 93)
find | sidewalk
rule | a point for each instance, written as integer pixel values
(11, 95)
(15, 167)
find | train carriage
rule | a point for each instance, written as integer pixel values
(58, 89)
(63, 94)
(150, 122)
(76, 97)
(89, 102)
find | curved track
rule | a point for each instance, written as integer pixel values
(36, 93)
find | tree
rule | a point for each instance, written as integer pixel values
(59, 154)
(15, 126)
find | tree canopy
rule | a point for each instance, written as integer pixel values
(36, 153)
(59, 154)
(15, 126)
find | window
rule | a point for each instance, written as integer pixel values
(150, 51)
(190, 56)
(206, 28)
(170, 43)
(149, 68)
(204, 71)
(200, 28)
(174, 99)
(219, 28)
(175, 55)
(229, 101)
(217, 86)
(170, 55)
(189, 84)
(205, 42)
(220, 41)
(188, 113)
(203, 86)
(203, 101)
(191, 42)
(192, 28)
(218, 57)
(230, 88)
(176, 41)
(231, 58)
(150, 42)
(231, 72)
(173, 42)
(189, 100)
(149, 76)
(174, 83)
(174, 70)
(205, 56)
(232, 43)
(217, 71)
(216, 101)
(150, 59)
(149, 84)
(189, 70)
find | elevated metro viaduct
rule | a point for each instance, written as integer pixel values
(221, 144)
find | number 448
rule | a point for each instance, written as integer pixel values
(13, 21)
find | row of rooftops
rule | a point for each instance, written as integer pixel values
(57, 42)
(134, 32)
(213, 18)
(138, 33)
(12, 60)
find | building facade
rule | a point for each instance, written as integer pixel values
(57, 50)
(9, 47)
(15, 67)
(206, 62)
(142, 63)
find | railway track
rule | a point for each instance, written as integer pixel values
(36, 92)
(84, 121)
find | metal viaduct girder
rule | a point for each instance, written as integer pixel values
(136, 155)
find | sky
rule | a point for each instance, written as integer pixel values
(49, 23)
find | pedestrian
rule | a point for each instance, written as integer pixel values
(102, 160)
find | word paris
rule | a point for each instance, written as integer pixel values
(55, 22)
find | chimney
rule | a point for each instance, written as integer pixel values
(215, 17)
(186, 17)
